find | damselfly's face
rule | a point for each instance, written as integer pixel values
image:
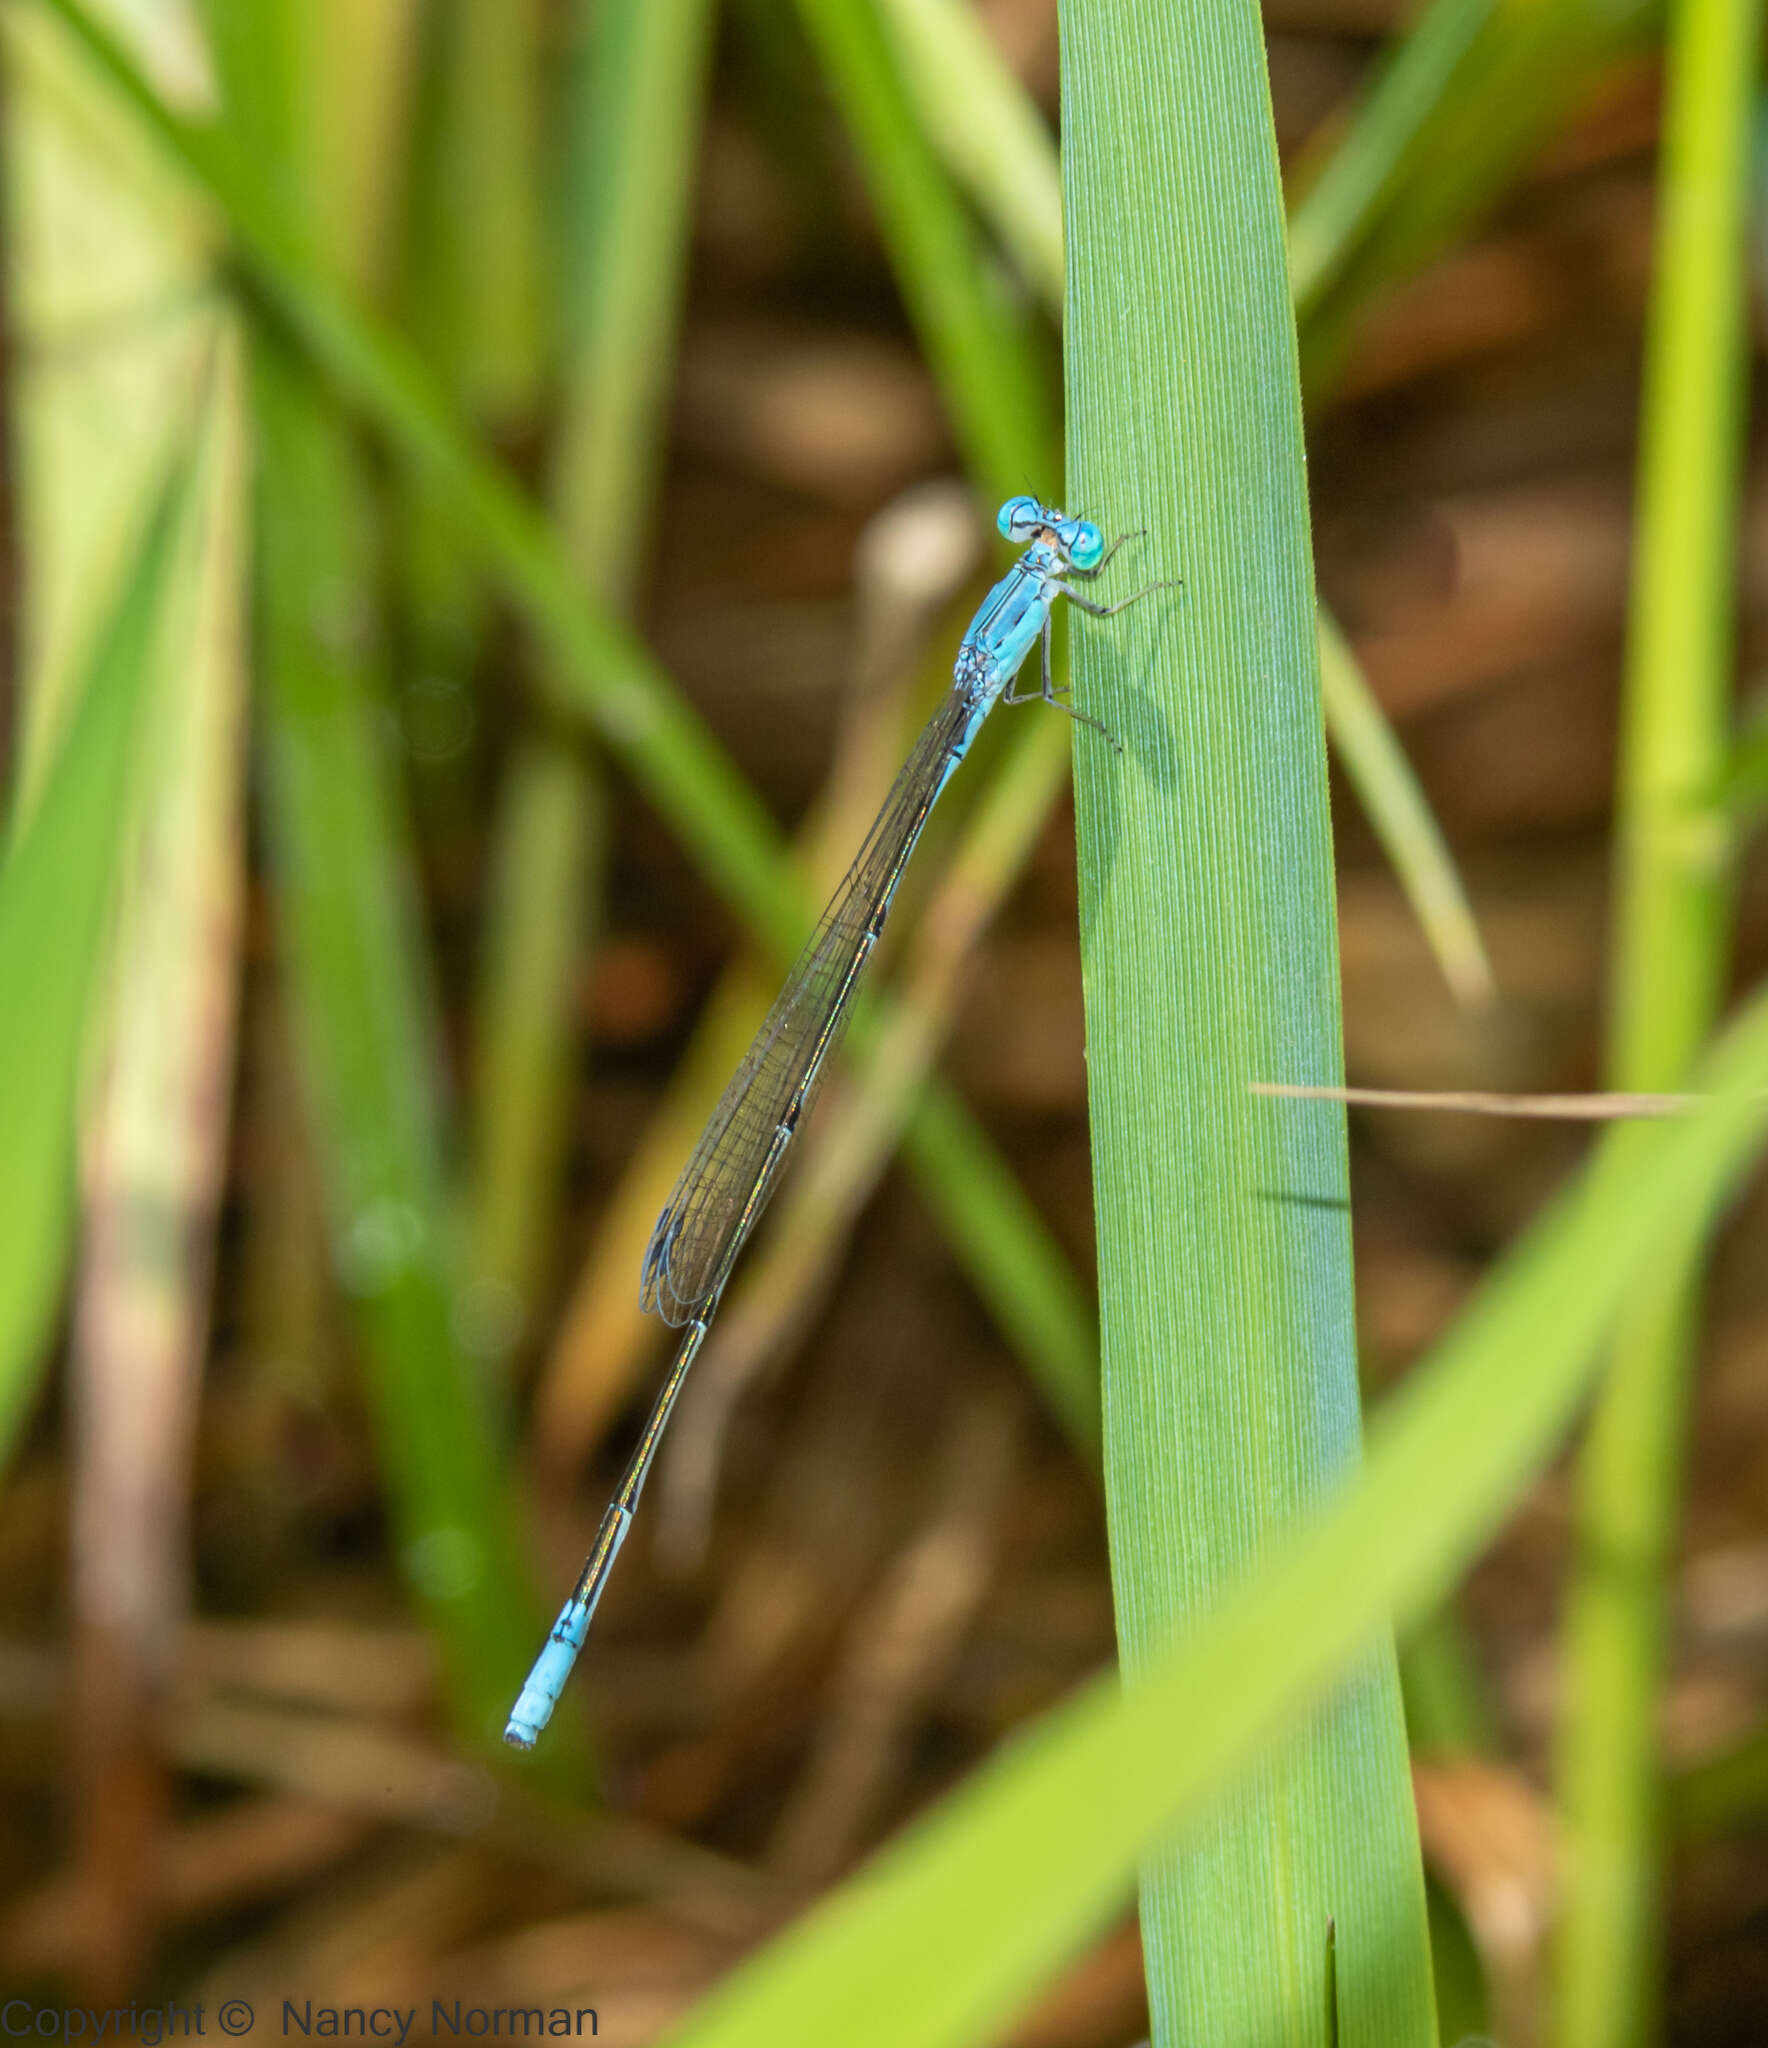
(1026, 520)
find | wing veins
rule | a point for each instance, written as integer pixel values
(728, 1180)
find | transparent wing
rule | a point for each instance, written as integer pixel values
(735, 1166)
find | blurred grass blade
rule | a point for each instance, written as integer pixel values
(1722, 1793)
(1375, 764)
(1343, 189)
(468, 290)
(355, 975)
(632, 141)
(631, 116)
(1744, 789)
(477, 295)
(155, 1158)
(114, 333)
(472, 254)
(953, 1929)
(547, 856)
(988, 129)
(1010, 1255)
(357, 982)
(102, 239)
(1208, 942)
(1451, 122)
(609, 676)
(1673, 933)
(1448, 1713)
(57, 883)
(978, 346)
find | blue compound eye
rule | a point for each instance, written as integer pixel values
(1018, 516)
(1085, 544)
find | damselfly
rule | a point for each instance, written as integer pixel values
(735, 1166)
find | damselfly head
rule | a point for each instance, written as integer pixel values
(1026, 519)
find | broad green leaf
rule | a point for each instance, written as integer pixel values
(1209, 950)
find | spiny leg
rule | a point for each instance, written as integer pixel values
(1106, 611)
(1049, 695)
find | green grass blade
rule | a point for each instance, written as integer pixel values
(1210, 959)
(473, 254)
(259, 55)
(948, 1933)
(1011, 1256)
(987, 128)
(633, 136)
(467, 283)
(474, 301)
(57, 883)
(1447, 1711)
(1673, 856)
(542, 910)
(1744, 791)
(1343, 193)
(631, 116)
(611, 679)
(1450, 122)
(976, 343)
(1376, 767)
(356, 976)
(1723, 1793)
(358, 986)
(154, 1145)
(102, 238)
(1673, 915)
